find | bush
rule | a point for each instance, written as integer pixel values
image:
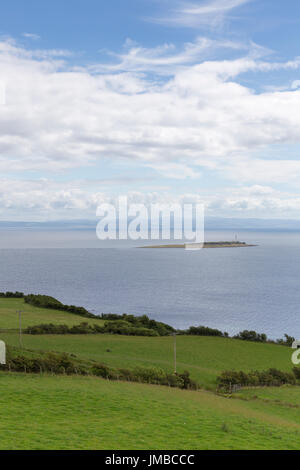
(282, 377)
(117, 327)
(45, 301)
(51, 362)
(252, 336)
(100, 370)
(162, 329)
(287, 341)
(47, 329)
(188, 383)
(50, 329)
(150, 375)
(121, 327)
(203, 331)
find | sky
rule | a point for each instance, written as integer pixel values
(159, 100)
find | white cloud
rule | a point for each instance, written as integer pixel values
(49, 200)
(175, 170)
(32, 36)
(166, 59)
(254, 201)
(213, 7)
(196, 117)
(199, 13)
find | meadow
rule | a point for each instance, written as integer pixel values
(204, 357)
(43, 412)
(73, 412)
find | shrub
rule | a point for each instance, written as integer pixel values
(203, 331)
(252, 336)
(162, 329)
(116, 327)
(287, 341)
(45, 301)
(47, 329)
(121, 327)
(188, 383)
(101, 370)
(50, 362)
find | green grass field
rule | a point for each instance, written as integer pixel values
(57, 412)
(204, 357)
(42, 412)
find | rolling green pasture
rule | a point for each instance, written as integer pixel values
(204, 357)
(287, 397)
(76, 412)
(43, 412)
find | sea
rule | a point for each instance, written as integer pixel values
(232, 289)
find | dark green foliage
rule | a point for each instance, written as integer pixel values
(11, 295)
(115, 327)
(150, 375)
(120, 327)
(271, 378)
(85, 329)
(162, 329)
(47, 329)
(287, 341)
(203, 331)
(50, 362)
(101, 370)
(45, 301)
(51, 329)
(188, 383)
(252, 336)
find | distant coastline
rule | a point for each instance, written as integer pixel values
(221, 244)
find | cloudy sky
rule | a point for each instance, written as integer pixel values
(162, 100)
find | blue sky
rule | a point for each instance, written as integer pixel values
(160, 100)
(90, 25)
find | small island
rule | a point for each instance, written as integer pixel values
(191, 246)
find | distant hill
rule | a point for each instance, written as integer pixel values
(211, 223)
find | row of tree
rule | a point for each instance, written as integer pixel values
(269, 378)
(117, 327)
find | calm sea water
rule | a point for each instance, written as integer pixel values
(230, 289)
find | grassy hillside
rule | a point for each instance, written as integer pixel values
(204, 357)
(60, 412)
(42, 412)
(36, 315)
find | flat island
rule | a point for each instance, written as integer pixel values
(234, 244)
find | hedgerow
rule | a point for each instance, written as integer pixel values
(64, 364)
(269, 378)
